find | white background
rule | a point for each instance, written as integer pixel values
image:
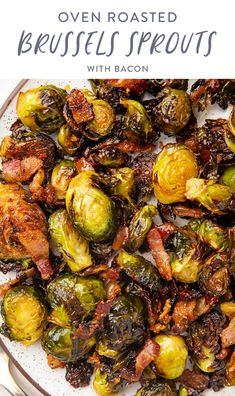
(42, 16)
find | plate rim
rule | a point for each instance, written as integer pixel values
(2, 344)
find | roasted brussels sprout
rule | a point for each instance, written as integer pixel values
(212, 234)
(102, 123)
(139, 226)
(214, 196)
(24, 314)
(140, 269)
(214, 275)
(186, 257)
(156, 85)
(106, 384)
(170, 111)
(60, 343)
(24, 144)
(23, 229)
(211, 143)
(204, 341)
(61, 177)
(124, 183)
(124, 326)
(174, 165)
(156, 388)
(228, 177)
(69, 140)
(137, 125)
(110, 156)
(143, 167)
(206, 92)
(114, 90)
(41, 108)
(72, 246)
(94, 214)
(73, 298)
(172, 357)
(93, 117)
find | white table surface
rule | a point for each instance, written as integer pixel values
(6, 87)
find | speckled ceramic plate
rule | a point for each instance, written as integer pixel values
(31, 361)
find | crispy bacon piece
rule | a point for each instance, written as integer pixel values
(54, 363)
(102, 310)
(77, 109)
(110, 278)
(166, 230)
(192, 380)
(187, 311)
(126, 146)
(163, 319)
(82, 164)
(191, 143)
(228, 334)
(207, 88)
(147, 355)
(40, 193)
(20, 170)
(94, 270)
(120, 238)
(23, 144)
(137, 86)
(184, 211)
(161, 257)
(23, 229)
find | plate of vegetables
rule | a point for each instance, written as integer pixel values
(117, 242)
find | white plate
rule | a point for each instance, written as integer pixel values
(32, 360)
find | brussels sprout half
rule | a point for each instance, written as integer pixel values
(185, 262)
(174, 166)
(172, 357)
(124, 326)
(41, 108)
(59, 342)
(174, 110)
(61, 176)
(73, 247)
(94, 214)
(140, 269)
(24, 314)
(138, 127)
(69, 140)
(73, 298)
(212, 234)
(214, 196)
(139, 226)
(214, 276)
(228, 177)
(156, 388)
(204, 341)
(106, 385)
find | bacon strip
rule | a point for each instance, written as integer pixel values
(161, 257)
(120, 238)
(126, 146)
(147, 355)
(187, 311)
(184, 211)
(228, 334)
(21, 170)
